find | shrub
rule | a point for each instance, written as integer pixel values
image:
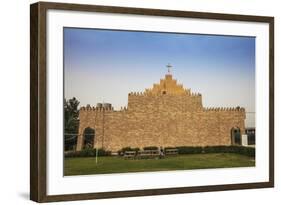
(130, 149)
(103, 152)
(150, 148)
(136, 149)
(218, 149)
(189, 150)
(71, 154)
(169, 148)
(247, 151)
(87, 152)
(124, 149)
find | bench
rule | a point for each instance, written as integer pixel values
(148, 154)
(171, 151)
(130, 154)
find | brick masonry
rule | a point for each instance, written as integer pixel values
(166, 115)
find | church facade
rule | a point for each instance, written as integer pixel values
(167, 115)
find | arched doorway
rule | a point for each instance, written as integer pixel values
(236, 138)
(88, 138)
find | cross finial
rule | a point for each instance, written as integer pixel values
(169, 66)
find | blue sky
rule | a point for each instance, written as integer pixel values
(105, 65)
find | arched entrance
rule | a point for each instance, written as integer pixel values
(236, 138)
(88, 138)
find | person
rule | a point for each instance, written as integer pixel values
(161, 153)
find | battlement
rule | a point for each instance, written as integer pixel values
(96, 109)
(138, 94)
(148, 92)
(195, 94)
(167, 95)
(124, 108)
(167, 86)
(89, 108)
(222, 109)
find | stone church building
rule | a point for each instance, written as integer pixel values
(167, 115)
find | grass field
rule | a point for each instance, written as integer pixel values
(106, 165)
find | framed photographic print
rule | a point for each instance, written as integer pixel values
(135, 102)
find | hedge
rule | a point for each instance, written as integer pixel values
(88, 152)
(150, 148)
(219, 149)
(124, 149)
(248, 151)
(189, 150)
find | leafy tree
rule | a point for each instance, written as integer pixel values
(71, 122)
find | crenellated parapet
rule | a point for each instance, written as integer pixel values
(137, 94)
(148, 92)
(167, 86)
(222, 109)
(194, 94)
(123, 109)
(95, 109)
(187, 91)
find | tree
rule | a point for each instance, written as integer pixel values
(71, 122)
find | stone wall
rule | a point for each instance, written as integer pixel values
(162, 125)
(166, 115)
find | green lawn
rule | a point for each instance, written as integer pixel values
(82, 166)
